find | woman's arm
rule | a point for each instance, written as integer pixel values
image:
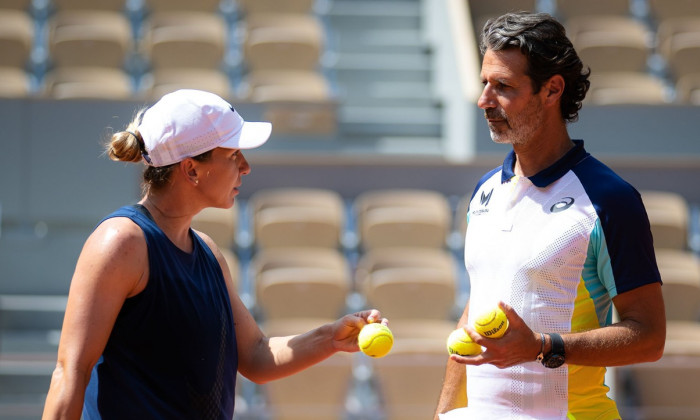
(262, 359)
(112, 266)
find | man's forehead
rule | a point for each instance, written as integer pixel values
(510, 62)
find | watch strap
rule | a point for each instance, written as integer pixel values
(540, 356)
(557, 344)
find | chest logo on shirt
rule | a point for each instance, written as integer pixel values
(485, 198)
(562, 205)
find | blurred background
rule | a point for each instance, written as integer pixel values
(359, 198)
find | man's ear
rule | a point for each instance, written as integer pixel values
(554, 88)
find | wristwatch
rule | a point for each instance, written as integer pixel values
(556, 356)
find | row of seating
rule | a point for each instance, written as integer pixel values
(384, 218)
(100, 51)
(401, 260)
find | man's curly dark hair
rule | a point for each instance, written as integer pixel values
(544, 42)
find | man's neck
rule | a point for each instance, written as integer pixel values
(540, 154)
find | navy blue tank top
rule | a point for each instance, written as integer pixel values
(172, 352)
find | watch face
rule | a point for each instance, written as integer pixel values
(553, 361)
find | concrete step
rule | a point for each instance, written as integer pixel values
(356, 16)
(378, 40)
(394, 121)
(386, 93)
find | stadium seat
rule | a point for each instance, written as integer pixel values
(286, 85)
(250, 7)
(610, 43)
(301, 282)
(22, 5)
(318, 392)
(297, 102)
(575, 8)
(113, 5)
(88, 83)
(408, 283)
(613, 88)
(290, 217)
(402, 217)
(14, 83)
(219, 224)
(161, 81)
(89, 38)
(668, 388)
(158, 6)
(688, 89)
(16, 38)
(667, 9)
(282, 42)
(668, 216)
(185, 40)
(679, 44)
(680, 273)
(410, 377)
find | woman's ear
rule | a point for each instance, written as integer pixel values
(188, 168)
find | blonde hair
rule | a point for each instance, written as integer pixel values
(127, 145)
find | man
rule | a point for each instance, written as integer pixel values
(555, 238)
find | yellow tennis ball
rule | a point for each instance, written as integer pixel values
(460, 343)
(375, 340)
(492, 323)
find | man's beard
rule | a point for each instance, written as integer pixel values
(520, 128)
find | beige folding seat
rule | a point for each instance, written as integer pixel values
(410, 377)
(16, 38)
(574, 8)
(209, 6)
(318, 392)
(250, 7)
(22, 5)
(290, 217)
(297, 102)
(88, 83)
(185, 40)
(113, 5)
(613, 88)
(610, 43)
(402, 217)
(14, 83)
(286, 85)
(668, 216)
(219, 224)
(680, 273)
(166, 80)
(282, 41)
(89, 38)
(679, 43)
(665, 9)
(301, 282)
(688, 89)
(408, 283)
(668, 388)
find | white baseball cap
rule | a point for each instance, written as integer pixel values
(189, 122)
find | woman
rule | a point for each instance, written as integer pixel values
(153, 327)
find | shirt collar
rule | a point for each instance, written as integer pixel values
(550, 174)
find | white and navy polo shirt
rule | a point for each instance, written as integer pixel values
(557, 247)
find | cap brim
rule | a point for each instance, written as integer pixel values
(252, 135)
